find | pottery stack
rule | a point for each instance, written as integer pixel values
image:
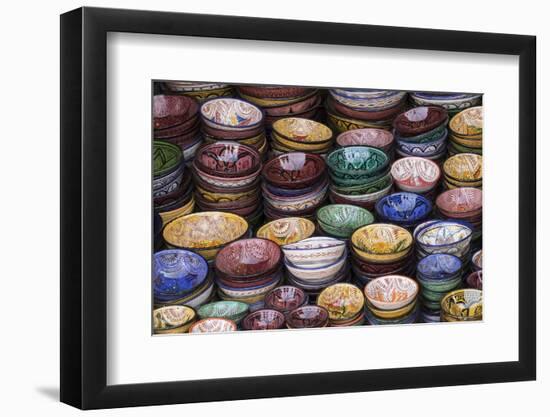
(199, 91)
(443, 236)
(287, 230)
(375, 138)
(466, 132)
(392, 299)
(360, 175)
(231, 119)
(381, 249)
(463, 170)
(462, 305)
(291, 134)
(295, 185)
(453, 102)
(280, 102)
(227, 178)
(417, 175)
(341, 220)
(438, 274)
(344, 303)
(172, 186)
(176, 121)
(404, 209)
(349, 109)
(422, 131)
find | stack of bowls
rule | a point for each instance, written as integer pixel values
(416, 175)
(180, 277)
(422, 131)
(437, 274)
(246, 270)
(341, 220)
(391, 300)
(227, 178)
(264, 319)
(350, 109)
(463, 204)
(344, 303)
(477, 261)
(297, 134)
(375, 138)
(236, 120)
(452, 102)
(466, 134)
(176, 121)
(173, 319)
(172, 187)
(359, 175)
(295, 184)
(287, 230)
(213, 325)
(462, 305)
(309, 316)
(279, 102)
(198, 90)
(230, 310)
(285, 299)
(443, 236)
(205, 232)
(463, 170)
(404, 209)
(381, 249)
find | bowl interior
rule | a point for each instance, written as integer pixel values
(294, 168)
(231, 112)
(264, 319)
(227, 158)
(177, 271)
(285, 298)
(391, 290)
(213, 325)
(377, 138)
(403, 207)
(308, 316)
(287, 230)
(460, 200)
(443, 233)
(248, 257)
(464, 167)
(357, 159)
(302, 130)
(344, 216)
(172, 316)
(415, 172)
(382, 238)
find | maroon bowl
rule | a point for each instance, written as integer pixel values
(294, 108)
(227, 159)
(274, 91)
(475, 280)
(264, 319)
(184, 139)
(179, 130)
(169, 111)
(367, 115)
(285, 298)
(262, 281)
(420, 120)
(216, 189)
(220, 134)
(248, 258)
(207, 205)
(307, 317)
(294, 170)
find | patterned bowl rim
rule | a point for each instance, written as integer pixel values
(410, 298)
(221, 125)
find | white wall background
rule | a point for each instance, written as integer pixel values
(29, 175)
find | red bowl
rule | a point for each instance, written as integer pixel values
(221, 134)
(294, 108)
(275, 92)
(420, 120)
(460, 202)
(366, 115)
(227, 159)
(264, 320)
(307, 317)
(285, 298)
(294, 170)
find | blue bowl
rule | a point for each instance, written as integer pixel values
(177, 272)
(439, 266)
(403, 208)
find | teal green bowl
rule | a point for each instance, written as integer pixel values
(350, 180)
(440, 286)
(341, 220)
(363, 161)
(364, 188)
(231, 310)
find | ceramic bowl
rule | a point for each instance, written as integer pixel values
(220, 133)
(166, 158)
(307, 317)
(177, 272)
(381, 243)
(303, 131)
(366, 201)
(433, 147)
(227, 182)
(460, 202)
(375, 138)
(468, 122)
(419, 120)
(308, 102)
(417, 175)
(284, 144)
(453, 102)
(367, 99)
(342, 301)
(169, 111)
(391, 292)
(298, 203)
(357, 160)
(477, 260)
(475, 280)
(403, 208)
(274, 92)
(294, 170)
(287, 230)
(391, 314)
(173, 319)
(439, 266)
(231, 114)
(371, 115)
(343, 219)
(194, 299)
(231, 310)
(213, 325)
(169, 182)
(285, 298)
(248, 258)
(409, 318)
(240, 294)
(205, 232)
(314, 251)
(342, 123)
(462, 305)
(316, 274)
(464, 167)
(444, 237)
(368, 187)
(265, 319)
(227, 159)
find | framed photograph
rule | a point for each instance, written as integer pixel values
(260, 208)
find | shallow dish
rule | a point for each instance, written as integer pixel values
(302, 130)
(173, 319)
(231, 114)
(357, 160)
(231, 310)
(375, 138)
(462, 305)
(264, 319)
(417, 175)
(227, 159)
(419, 120)
(343, 219)
(314, 251)
(391, 292)
(403, 208)
(342, 301)
(213, 325)
(294, 170)
(468, 122)
(287, 230)
(464, 167)
(307, 317)
(316, 274)
(381, 243)
(285, 298)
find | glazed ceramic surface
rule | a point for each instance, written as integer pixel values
(177, 271)
(302, 130)
(477, 259)
(231, 113)
(287, 230)
(404, 208)
(171, 317)
(382, 242)
(391, 292)
(415, 174)
(460, 200)
(248, 257)
(439, 266)
(285, 298)
(264, 320)
(464, 304)
(315, 251)
(468, 122)
(376, 138)
(169, 111)
(213, 325)
(364, 99)
(317, 274)
(166, 158)
(228, 159)
(232, 310)
(357, 160)
(307, 317)
(294, 170)
(342, 301)
(343, 219)
(464, 167)
(419, 120)
(443, 233)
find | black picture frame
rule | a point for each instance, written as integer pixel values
(83, 207)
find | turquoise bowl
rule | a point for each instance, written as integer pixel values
(341, 220)
(357, 161)
(365, 188)
(231, 310)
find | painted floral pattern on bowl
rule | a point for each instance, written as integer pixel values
(342, 301)
(464, 167)
(228, 159)
(177, 271)
(381, 238)
(287, 230)
(248, 257)
(415, 174)
(302, 130)
(376, 138)
(170, 317)
(294, 169)
(460, 200)
(403, 208)
(357, 160)
(468, 122)
(391, 292)
(265, 319)
(231, 112)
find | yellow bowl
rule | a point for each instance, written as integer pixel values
(468, 142)
(458, 184)
(269, 102)
(224, 197)
(173, 319)
(381, 242)
(343, 124)
(391, 314)
(468, 122)
(342, 301)
(297, 146)
(464, 167)
(303, 131)
(462, 305)
(287, 230)
(168, 216)
(205, 232)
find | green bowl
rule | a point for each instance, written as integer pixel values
(342, 220)
(349, 180)
(369, 187)
(444, 286)
(231, 310)
(353, 161)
